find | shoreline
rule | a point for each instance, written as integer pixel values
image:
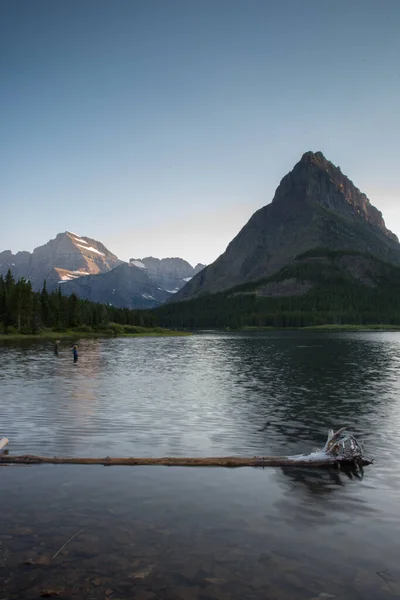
(161, 332)
(327, 327)
(71, 334)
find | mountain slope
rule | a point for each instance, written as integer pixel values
(169, 273)
(64, 258)
(315, 205)
(126, 286)
(319, 287)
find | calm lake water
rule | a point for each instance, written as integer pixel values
(206, 534)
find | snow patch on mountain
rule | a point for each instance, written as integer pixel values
(91, 249)
(137, 263)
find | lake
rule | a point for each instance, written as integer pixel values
(200, 533)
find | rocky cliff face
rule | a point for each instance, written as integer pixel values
(62, 259)
(126, 286)
(316, 179)
(169, 273)
(314, 206)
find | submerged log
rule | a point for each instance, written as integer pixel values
(308, 460)
(3, 443)
(340, 448)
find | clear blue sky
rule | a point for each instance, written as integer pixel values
(159, 127)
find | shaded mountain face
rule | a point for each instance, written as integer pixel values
(314, 206)
(143, 283)
(319, 287)
(126, 286)
(64, 258)
(169, 273)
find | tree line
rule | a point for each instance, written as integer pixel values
(25, 311)
(334, 298)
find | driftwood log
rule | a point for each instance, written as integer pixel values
(340, 448)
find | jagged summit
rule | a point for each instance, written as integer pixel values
(170, 273)
(315, 205)
(66, 257)
(316, 178)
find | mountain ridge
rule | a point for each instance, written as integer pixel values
(126, 286)
(73, 262)
(171, 273)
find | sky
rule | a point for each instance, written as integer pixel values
(159, 126)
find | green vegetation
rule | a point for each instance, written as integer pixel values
(24, 312)
(346, 327)
(348, 289)
(49, 334)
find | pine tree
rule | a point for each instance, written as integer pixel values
(9, 280)
(9, 298)
(44, 306)
(72, 311)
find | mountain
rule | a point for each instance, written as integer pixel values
(126, 286)
(143, 283)
(169, 273)
(314, 206)
(319, 287)
(75, 263)
(62, 259)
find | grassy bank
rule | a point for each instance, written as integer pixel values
(377, 327)
(128, 331)
(326, 327)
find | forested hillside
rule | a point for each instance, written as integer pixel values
(25, 311)
(319, 287)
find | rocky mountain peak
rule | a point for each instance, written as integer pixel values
(198, 267)
(171, 273)
(317, 180)
(66, 257)
(314, 206)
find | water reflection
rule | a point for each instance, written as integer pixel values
(296, 384)
(223, 394)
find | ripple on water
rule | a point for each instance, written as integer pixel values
(212, 533)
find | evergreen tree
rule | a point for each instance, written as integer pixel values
(72, 311)
(9, 280)
(44, 306)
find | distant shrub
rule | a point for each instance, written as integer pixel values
(132, 329)
(26, 330)
(115, 328)
(84, 329)
(10, 329)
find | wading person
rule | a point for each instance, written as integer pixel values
(75, 352)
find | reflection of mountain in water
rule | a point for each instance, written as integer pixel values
(81, 394)
(301, 384)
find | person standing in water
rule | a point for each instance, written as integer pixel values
(56, 347)
(75, 351)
